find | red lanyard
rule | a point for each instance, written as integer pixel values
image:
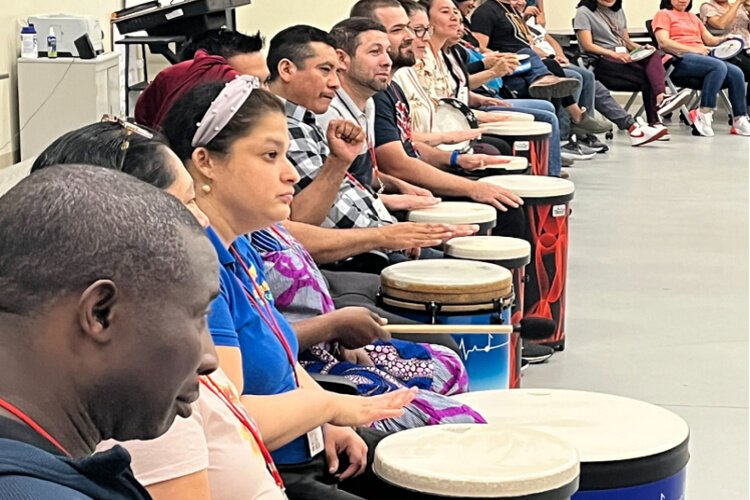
(20, 415)
(247, 422)
(265, 312)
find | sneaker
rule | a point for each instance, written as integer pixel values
(702, 122)
(550, 86)
(641, 134)
(567, 162)
(524, 364)
(674, 102)
(741, 126)
(592, 142)
(590, 125)
(564, 174)
(536, 353)
(574, 152)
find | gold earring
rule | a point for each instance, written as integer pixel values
(206, 188)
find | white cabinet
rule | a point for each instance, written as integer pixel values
(59, 95)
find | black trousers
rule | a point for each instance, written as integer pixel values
(311, 480)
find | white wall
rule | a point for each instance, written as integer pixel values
(271, 16)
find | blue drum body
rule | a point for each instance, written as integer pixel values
(487, 358)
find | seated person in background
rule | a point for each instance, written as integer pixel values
(394, 148)
(500, 27)
(104, 344)
(238, 157)
(219, 54)
(732, 18)
(304, 65)
(682, 34)
(421, 89)
(602, 30)
(217, 452)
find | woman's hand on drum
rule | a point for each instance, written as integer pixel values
(357, 356)
(475, 161)
(457, 136)
(490, 117)
(346, 140)
(396, 202)
(358, 410)
(403, 235)
(496, 196)
(354, 327)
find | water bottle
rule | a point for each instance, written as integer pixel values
(51, 44)
(29, 48)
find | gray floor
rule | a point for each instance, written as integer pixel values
(658, 293)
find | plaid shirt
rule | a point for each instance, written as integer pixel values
(355, 205)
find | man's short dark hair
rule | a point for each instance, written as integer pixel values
(367, 8)
(346, 33)
(63, 228)
(293, 43)
(412, 6)
(221, 42)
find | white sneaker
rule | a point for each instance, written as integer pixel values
(702, 122)
(741, 126)
(641, 134)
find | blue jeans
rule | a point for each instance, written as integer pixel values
(716, 74)
(520, 83)
(543, 111)
(584, 96)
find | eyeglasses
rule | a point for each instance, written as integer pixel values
(130, 129)
(421, 31)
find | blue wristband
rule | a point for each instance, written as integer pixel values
(454, 157)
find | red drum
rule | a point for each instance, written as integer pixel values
(528, 139)
(546, 200)
(457, 212)
(511, 253)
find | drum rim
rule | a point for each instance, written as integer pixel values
(489, 217)
(564, 474)
(515, 129)
(523, 192)
(616, 473)
(521, 251)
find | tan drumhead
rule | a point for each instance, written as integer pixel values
(517, 164)
(455, 212)
(487, 248)
(603, 427)
(476, 461)
(447, 281)
(517, 128)
(514, 116)
(532, 186)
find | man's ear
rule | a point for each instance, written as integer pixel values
(95, 309)
(344, 60)
(286, 69)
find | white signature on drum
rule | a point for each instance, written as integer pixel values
(662, 496)
(465, 352)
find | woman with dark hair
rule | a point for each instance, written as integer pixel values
(682, 34)
(601, 28)
(218, 451)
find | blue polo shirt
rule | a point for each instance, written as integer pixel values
(234, 322)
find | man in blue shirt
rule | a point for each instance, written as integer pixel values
(102, 328)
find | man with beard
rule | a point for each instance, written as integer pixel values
(394, 148)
